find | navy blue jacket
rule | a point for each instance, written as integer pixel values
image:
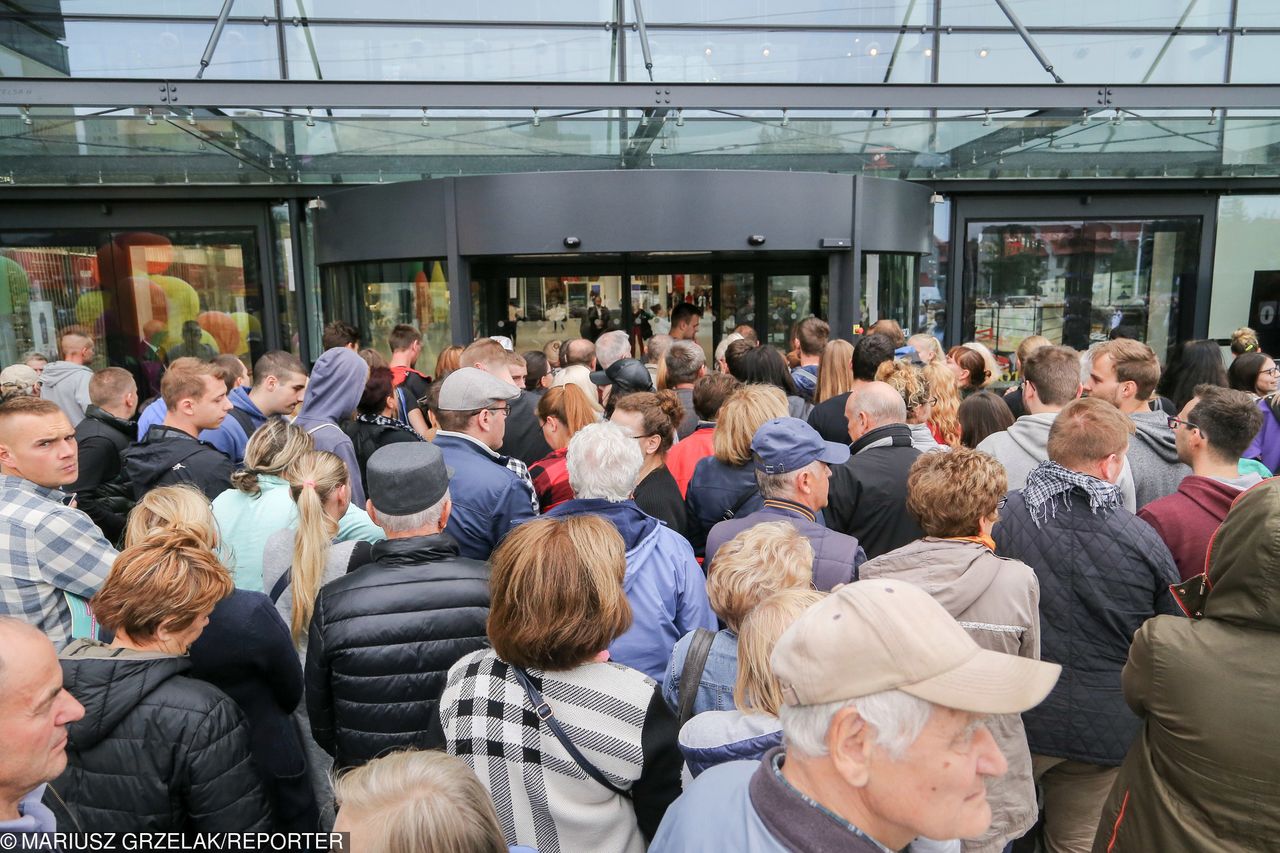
(715, 489)
(246, 650)
(1101, 576)
(488, 498)
(836, 555)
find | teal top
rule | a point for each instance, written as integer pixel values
(1253, 466)
(246, 522)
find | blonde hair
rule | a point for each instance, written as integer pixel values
(925, 342)
(169, 508)
(945, 415)
(273, 448)
(740, 416)
(413, 801)
(991, 366)
(1244, 340)
(759, 561)
(756, 690)
(835, 370)
(312, 481)
(908, 380)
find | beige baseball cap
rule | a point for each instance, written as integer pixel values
(876, 635)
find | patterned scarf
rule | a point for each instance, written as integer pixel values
(383, 420)
(1049, 481)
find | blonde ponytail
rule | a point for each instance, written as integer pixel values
(312, 480)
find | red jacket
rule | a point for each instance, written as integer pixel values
(683, 458)
(1187, 519)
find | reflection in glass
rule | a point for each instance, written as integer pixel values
(144, 297)
(378, 296)
(1094, 13)
(474, 10)
(821, 12)
(1075, 282)
(1246, 244)
(153, 49)
(789, 299)
(891, 289)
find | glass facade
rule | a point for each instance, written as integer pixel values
(380, 295)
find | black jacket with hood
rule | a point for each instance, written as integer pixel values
(156, 751)
(102, 490)
(171, 457)
(868, 494)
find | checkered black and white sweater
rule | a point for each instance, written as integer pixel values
(613, 714)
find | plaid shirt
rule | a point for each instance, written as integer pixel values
(46, 549)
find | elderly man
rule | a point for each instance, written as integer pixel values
(1102, 573)
(366, 693)
(828, 417)
(493, 493)
(869, 492)
(883, 746)
(47, 549)
(665, 587)
(522, 436)
(686, 363)
(34, 712)
(612, 346)
(793, 470)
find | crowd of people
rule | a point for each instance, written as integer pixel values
(854, 596)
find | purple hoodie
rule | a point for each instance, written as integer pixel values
(337, 382)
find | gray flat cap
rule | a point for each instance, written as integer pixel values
(469, 388)
(406, 477)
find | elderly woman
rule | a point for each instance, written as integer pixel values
(750, 729)
(724, 484)
(956, 497)
(158, 751)
(580, 751)
(753, 565)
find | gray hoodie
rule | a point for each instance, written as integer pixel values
(1025, 445)
(337, 383)
(67, 384)
(1153, 456)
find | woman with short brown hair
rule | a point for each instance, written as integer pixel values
(158, 751)
(518, 713)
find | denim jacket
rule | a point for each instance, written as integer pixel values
(715, 690)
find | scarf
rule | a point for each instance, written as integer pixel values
(384, 421)
(1049, 481)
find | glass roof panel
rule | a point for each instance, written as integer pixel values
(1093, 13)
(548, 11)
(788, 13)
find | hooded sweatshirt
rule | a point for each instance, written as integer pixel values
(996, 600)
(67, 384)
(156, 751)
(1186, 520)
(337, 382)
(1153, 456)
(231, 436)
(1025, 445)
(170, 456)
(663, 584)
(1203, 772)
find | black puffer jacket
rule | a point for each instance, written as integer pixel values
(1101, 576)
(102, 490)
(171, 457)
(381, 643)
(156, 751)
(868, 494)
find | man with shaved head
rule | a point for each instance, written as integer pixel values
(868, 494)
(47, 548)
(66, 381)
(34, 713)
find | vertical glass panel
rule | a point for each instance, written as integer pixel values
(380, 295)
(825, 12)
(1246, 248)
(784, 57)
(335, 52)
(788, 303)
(931, 309)
(539, 309)
(1076, 282)
(737, 301)
(890, 288)
(288, 300)
(1114, 57)
(1093, 13)
(145, 297)
(470, 10)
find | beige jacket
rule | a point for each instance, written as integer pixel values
(997, 601)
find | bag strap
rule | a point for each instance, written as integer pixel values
(733, 511)
(244, 419)
(282, 583)
(695, 662)
(543, 710)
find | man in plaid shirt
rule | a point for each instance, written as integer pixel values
(47, 548)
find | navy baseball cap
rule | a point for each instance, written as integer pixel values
(788, 444)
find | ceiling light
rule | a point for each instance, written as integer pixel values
(928, 51)
(982, 53)
(764, 51)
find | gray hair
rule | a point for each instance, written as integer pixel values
(429, 517)
(604, 462)
(612, 346)
(655, 349)
(684, 360)
(782, 485)
(880, 402)
(898, 719)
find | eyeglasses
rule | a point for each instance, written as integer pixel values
(1271, 371)
(500, 410)
(1174, 423)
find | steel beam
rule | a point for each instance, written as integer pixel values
(269, 94)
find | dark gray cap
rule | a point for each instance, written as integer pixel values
(406, 477)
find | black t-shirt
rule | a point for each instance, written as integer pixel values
(659, 495)
(828, 419)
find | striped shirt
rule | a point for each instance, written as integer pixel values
(47, 549)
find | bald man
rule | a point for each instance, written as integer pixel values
(34, 713)
(66, 381)
(868, 496)
(48, 549)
